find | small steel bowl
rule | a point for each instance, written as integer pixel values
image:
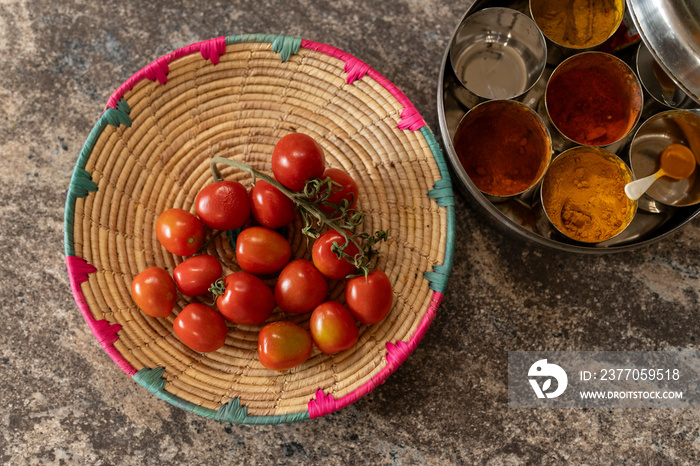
(611, 72)
(498, 53)
(580, 212)
(652, 137)
(584, 25)
(521, 129)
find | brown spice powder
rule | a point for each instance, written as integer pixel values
(503, 147)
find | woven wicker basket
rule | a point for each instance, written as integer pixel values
(235, 97)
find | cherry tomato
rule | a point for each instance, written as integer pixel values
(283, 345)
(180, 232)
(247, 300)
(300, 287)
(333, 328)
(223, 205)
(348, 190)
(297, 158)
(327, 262)
(195, 275)
(154, 292)
(270, 207)
(262, 251)
(369, 298)
(201, 328)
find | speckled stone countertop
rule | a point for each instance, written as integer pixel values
(65, 402)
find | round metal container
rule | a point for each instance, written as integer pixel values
(624, 93)
(500, 44)
(513, 128)
(517, 218)
(559, 198)
(671, 31)
(595, 21)
(657, 133)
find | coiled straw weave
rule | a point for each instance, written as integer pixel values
(150, 151)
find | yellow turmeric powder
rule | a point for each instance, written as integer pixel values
(577, 24)
(583, 194)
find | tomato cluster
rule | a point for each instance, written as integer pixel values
(263, 254)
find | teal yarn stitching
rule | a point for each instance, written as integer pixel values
(153, 381)
(443, 193)
(232, 412)
(118, 116)
(111, 116)
(81, 181)
(123, 106)
(286, 46)
(81, 185)
(243, 38)
(438, 277)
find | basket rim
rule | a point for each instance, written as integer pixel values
(116, 113)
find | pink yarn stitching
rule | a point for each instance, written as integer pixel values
(105, 333)
(211, 49)
(157, 71)
(356, 69)
(410, 117)
(396, 355)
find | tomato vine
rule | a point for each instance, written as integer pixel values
(341, 218)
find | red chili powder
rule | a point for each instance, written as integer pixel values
(503, 148)
(588, 107)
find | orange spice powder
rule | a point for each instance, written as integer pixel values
(577, 23)
(583, 194)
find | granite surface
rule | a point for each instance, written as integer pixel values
(65, 402)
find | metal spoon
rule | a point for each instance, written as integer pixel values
(677, 162)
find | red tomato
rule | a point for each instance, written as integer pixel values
(297, 158)
(333, 328)
(327, 262)
(369, 299)
(247, 300)
(195, 275)
(262, 251)
(348, 190)
(180, 232)
(270, 207)
(201, 328)
(300, 287)
(283, 345)
(223, 205)
(154, 292)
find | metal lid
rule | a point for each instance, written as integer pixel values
(671, 31)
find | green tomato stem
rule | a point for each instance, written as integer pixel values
(217, 288)
(299, 199)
